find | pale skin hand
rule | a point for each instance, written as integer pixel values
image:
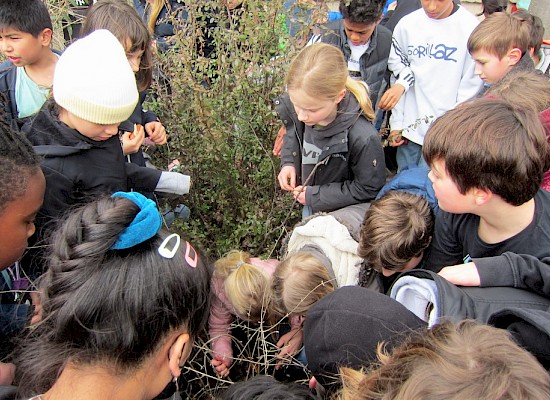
(287, 178)
(221, 364)
(37, 303)
(290, 343)
(7, 373)
(395, 138)
(156, 132)
(462, 274)
(299, 194)
(132, 141)
(278, 145)
(391, 97)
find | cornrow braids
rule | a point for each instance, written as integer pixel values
(18, 162)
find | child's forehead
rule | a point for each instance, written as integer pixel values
(485, 54)
(9, 30)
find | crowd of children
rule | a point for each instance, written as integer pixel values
(120, 300)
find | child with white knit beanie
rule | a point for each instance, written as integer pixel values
(76, 132)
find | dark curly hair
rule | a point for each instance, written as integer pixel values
(18, 162)
(362, 11)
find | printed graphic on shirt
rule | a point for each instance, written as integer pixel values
(310, 154)
(438, 51)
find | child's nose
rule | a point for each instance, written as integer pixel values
(477, 69)
(302, 116)
(111, 129)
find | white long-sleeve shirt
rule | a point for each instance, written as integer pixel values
(430, 59)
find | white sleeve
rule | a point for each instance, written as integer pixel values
(398, 60)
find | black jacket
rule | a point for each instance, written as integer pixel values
(404, 7)
(351, 167)
(142, 117)
(77, 168)
(530, 328)
(457, 303)
(8, 76)
(525, 314)
(373, 64)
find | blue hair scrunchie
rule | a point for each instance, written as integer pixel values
(145, 225)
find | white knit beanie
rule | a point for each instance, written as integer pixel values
(94, 81)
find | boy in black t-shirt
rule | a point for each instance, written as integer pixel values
(487, 160)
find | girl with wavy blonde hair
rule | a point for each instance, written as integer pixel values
(241, 285)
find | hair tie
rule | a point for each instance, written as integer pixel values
(240, 263)
(145, 225)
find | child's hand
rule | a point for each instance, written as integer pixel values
(156, 132)
(132, 141)
(462, 274)
(221, 364)
(290, 344)
(391, 97)
(299, 194)
(279, 141)
(7, 373)
(395, 138)
(37, 303)
(287, 178)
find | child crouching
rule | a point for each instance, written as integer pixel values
(241, 285)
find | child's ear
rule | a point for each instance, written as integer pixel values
(341, 96)
(514, 56)
(481, 196)
(45, 37)
(179, 351)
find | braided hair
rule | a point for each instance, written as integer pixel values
(114, 307)
(18, 162)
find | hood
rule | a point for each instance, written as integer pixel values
(52, 138)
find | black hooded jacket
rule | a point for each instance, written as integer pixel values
(351, 167)
(78, 168)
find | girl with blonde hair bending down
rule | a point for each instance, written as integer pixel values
(332, 156)
(241, 287)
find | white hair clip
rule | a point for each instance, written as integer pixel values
(166, 252)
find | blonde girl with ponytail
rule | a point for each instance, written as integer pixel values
(241, 287)
(332, 156)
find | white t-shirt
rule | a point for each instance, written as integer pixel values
(356, 53)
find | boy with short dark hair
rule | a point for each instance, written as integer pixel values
(487, 161)
(539, 54)
(500, 44)
(27, 74)
(365, 43)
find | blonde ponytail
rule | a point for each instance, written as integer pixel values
(361, 92)
(246, 285)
